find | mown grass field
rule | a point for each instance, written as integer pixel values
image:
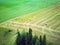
(11, 9)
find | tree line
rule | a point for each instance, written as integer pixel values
(28, 39)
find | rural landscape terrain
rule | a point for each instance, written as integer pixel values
(43, 17)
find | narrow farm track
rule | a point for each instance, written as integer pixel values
(42, 22)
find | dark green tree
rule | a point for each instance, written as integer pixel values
(34, 39)
(30, 37)
(18, 40)
(40, 40)
(27, 38)
(23, 41)
(44, 40)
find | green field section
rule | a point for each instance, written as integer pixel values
(13, 8)
(45, 21)
(7, 38)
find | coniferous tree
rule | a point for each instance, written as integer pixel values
(30, 37)
(27, 38)
(34, 40)
(44, 40)
(41, 40)
(18, 40)
(23, 40)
